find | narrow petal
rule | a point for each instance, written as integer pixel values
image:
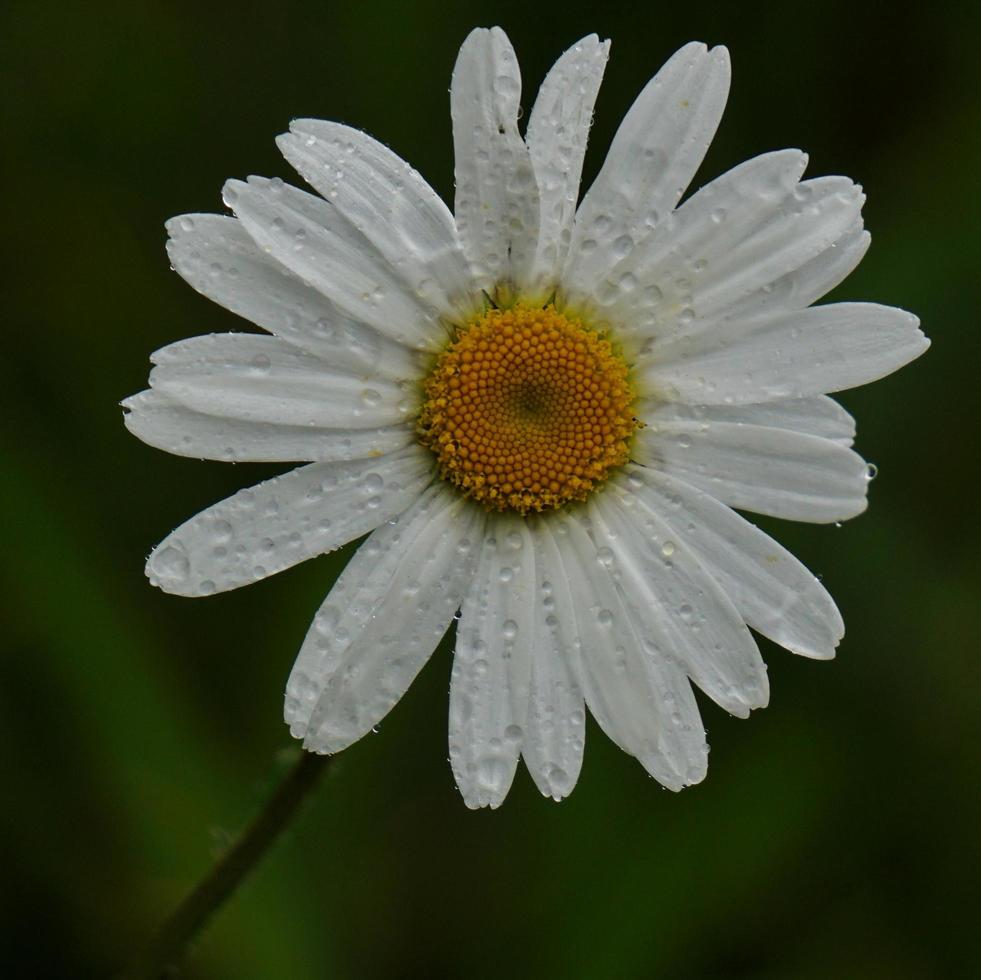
(653, 158)
(217, 256)
(382, 620)
(555, 732)
(492, 664)
(773, 591)
(279, 523)
(165, 424)
(678, 607)
(792, 355)
(497, 205)
(557, 132)
(389, 203)
(769, 471)
(254, 378)
(642, 701)
(816, 416)
(765, 242)
(651, 289)
(315, 242)
(807, 283)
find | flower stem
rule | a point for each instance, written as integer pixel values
(163, 954)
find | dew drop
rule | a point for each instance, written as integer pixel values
(170, 566)
(222, 531)
(373, 483)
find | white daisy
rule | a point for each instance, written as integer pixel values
(541, 414)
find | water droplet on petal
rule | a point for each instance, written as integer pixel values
(170, 566)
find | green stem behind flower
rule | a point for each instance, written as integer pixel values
(166, 949)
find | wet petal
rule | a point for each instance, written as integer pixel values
(497, 205)
(262, 530)
(168, 425)
(492, 664)
(382, 620)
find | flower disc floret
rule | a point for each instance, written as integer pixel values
(527, 409)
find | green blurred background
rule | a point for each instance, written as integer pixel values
(837, 834)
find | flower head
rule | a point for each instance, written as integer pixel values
(541, 410)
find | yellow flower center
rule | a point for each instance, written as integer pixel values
(528, 409)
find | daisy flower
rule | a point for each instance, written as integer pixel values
(543, 411)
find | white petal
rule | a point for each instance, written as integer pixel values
(645, 704)
(650, 290)
(315, 242)
(262, 530)
(389, 203)
(217, 256)
(652, 159)
(792, 355)
(678, 607)
(817, 416)
(382, 620)
(497, 206)
(255, 378)
(770, 471)
(772, 590)
(804, 285)
(162, 423)
(557, 131)
(492, 664)
(555, 731)
(714, 265)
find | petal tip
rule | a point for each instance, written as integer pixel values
(720, 55)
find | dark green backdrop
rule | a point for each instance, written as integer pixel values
(837, 832)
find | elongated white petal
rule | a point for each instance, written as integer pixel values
(772, 590)
(653, 157)
(256, 378)
(654, 290)
(382, 621)
(643, 702)
(315, 242)
(805, 224)
(816, 416)
(497, 205)
(389, 203)
(555, 731)
(217, 256)
(165, 424)
(678, 607)
(792, 355)
(807, 283)
(770, 471)
(557, 131)
(492, 664)
(262, 530)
